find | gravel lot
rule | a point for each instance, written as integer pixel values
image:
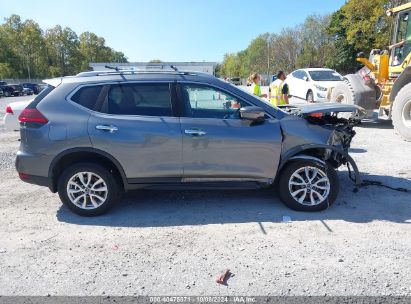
(176, 243)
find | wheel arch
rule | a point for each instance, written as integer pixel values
(72, 156)
(316, 152)
(400, 82)
(308, 92)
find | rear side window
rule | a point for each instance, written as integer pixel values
(138, 99)
(87, 96)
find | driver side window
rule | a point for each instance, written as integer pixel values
(208, 102)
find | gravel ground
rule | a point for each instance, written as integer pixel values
(176, 243)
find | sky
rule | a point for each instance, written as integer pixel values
(171, 30)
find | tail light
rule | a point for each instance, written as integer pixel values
(315, 114)
(24, 176)
(32, 115)
(365, 76)
(9, 110)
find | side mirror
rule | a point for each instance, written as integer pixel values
(252, 113)
(305, 78)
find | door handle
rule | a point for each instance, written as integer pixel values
(195, 132)
(106, 128)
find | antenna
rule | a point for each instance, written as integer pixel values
(174, 68)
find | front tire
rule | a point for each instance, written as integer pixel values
(306, 185)
(401, 113)
(87, 189)
(310, 97)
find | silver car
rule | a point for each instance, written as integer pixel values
(95, 135)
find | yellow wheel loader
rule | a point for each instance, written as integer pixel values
(384, 82)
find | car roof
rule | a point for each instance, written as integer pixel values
(317, 69)
(122, 76)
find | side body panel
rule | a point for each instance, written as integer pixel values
(231, 149)
(146, 147)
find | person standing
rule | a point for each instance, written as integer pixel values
(255, 89)
(279, 91)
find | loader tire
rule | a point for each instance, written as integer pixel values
(401, 112)
(343, 92)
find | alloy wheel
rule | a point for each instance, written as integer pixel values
(87, 190)
(309, 186)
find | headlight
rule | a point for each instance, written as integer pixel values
(320, 87)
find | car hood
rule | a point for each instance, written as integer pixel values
(323, 108)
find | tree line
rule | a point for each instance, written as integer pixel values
(28, 51)
(331, 41)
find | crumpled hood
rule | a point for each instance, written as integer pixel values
(323, 108)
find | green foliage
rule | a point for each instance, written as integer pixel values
(27, 51)
(353, 29)
(321, 41)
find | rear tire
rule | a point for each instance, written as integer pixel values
(401, 113)
(310, 97)
(88, 189)
(313, 190)
(6, 94)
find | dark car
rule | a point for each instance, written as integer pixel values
(7, 90)
(27, 91)
(33, 86)
(14, 89)
(235, 80)
(95, 135)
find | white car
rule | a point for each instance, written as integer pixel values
(312, 84)
(13, 110)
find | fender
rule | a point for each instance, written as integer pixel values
(400, 82)
(292, 154)
(308, 157)
(91, 150)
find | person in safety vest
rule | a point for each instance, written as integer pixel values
(279, 91)
(255, 89)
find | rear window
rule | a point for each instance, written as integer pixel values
(87, 96)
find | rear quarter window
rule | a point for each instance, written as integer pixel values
(87, 96)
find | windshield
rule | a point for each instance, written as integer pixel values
(325, 75)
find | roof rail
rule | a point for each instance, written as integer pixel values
(132, 72)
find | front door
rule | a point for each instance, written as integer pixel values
(136, 125)
(218, 145)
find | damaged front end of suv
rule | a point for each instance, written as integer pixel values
(324, 134)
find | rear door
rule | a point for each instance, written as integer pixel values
(135, 123)
(218, 145)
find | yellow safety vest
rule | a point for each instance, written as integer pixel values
(276, 93)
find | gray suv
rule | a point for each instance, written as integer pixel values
(93, 136)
